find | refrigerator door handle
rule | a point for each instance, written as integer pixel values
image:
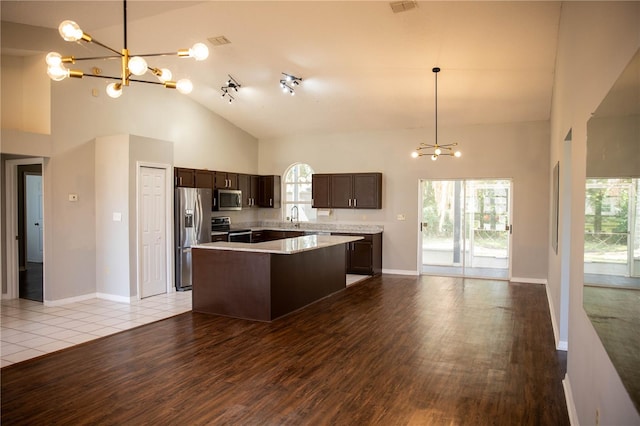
(198, 218)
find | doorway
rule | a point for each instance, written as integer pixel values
(465, 228)
(25, 256)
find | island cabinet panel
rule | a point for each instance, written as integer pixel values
(320, 191)
(264, 286)
(248, 184)
(185, 177)
(232, 283)
(347, 190)
(269, 191)
(364, 257)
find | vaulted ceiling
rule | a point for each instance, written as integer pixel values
(363, 66)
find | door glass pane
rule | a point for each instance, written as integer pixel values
(442, 231)
(487, 253)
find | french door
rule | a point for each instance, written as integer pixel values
(465, 228)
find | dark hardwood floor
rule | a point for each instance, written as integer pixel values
(392, 350)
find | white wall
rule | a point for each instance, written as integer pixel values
(516, 151)
(596, 42)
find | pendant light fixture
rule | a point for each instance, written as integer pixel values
(132, 65)
(436, 150)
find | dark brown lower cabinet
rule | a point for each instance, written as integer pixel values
(364, 257)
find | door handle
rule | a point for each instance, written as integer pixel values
(36, 224)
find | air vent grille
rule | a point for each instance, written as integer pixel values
(218, 41)
(402, 6)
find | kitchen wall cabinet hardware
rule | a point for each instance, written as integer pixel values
(364, 257)
(347, 190)
(248, 184)
(225, 180)
(269, 191)
(184, 177)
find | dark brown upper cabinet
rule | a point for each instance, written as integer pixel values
(320, 191)
(248, 184)
(269, 191)
(347, 190)
(224, 180)
(204, 179)
(185, 177)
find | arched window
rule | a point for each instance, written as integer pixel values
(297, 190)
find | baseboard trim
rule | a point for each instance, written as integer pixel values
(554, 325)
(66, 301)
(114, 297)
(399, 272)
(528, 280)
(571, 406)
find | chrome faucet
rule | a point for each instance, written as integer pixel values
(296, 217)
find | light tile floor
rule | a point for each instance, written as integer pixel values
(30, 329)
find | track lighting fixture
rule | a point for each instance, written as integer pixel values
(288, 82)
(229, 86)
(438, 150)
(132, 65)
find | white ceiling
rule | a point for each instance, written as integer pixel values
(364, 67)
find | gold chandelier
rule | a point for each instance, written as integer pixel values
(131, 65)
(438, 150)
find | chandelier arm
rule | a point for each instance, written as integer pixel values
(147, 55)
(92, 58)
(106, 47)
(120, 78)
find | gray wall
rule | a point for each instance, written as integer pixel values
(516, 151)
(596, 42)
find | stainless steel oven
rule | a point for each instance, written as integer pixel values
(239, 236)
(223, 224)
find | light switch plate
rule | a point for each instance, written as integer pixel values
(117, 216)
(401, 217)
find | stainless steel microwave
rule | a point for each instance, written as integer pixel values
(227, 199)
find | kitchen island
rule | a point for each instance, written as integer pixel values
(264, 281)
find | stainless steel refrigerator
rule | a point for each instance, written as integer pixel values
(192, 220)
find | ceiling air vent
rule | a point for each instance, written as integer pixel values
(218, 41)
(402, 6)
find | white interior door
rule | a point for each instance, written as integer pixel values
(34, 224)
(153, 247)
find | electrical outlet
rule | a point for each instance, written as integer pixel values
(401, 217)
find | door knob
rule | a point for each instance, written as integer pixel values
(36, 224)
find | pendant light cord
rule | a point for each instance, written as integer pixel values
(125, 22)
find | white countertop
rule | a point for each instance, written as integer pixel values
(283, 246)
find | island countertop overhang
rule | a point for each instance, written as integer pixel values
(283, 246)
